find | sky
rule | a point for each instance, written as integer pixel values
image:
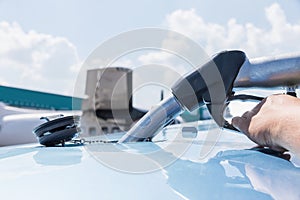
(44, 43)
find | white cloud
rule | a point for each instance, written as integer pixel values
(280, 37)
(159, 57)
(33, 60)
(37, 61)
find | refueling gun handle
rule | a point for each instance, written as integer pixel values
(213, 83)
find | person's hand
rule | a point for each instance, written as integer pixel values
(273, 123)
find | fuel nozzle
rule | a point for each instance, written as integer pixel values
(209, 84)
(151, 123)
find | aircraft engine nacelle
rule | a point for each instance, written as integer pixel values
(17, 128)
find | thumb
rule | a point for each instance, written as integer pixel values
(239, 123)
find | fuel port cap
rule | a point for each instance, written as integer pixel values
(57, 131)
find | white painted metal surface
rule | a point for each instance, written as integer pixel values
(214, 166)
(16, 124)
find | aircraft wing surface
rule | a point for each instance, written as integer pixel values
(215, 164)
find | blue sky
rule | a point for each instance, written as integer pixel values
(88, 23)
(41, 38)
